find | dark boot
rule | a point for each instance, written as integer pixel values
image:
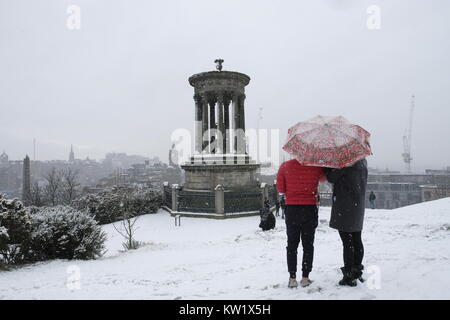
(348, 279)
(358, 272)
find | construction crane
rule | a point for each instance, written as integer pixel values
(407, 139)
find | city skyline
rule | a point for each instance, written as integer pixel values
(400, 168)
(119, 83)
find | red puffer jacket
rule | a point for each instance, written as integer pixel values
(299, 182)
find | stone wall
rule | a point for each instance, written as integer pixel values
(232, 177)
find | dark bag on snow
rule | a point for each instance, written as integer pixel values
(267, 220)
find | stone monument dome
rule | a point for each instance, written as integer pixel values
(221, 179)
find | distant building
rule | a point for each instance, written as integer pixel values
(438, 172)
(434, 192)
(394, 190)
(71, 155)
(4, 159)
(391, 195)
(26, 181)
(91, 173)
(147, 173)
(10, 176)
(124, 161)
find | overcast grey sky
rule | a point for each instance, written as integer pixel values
(120, 82)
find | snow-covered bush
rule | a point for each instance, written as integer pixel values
(102, 206)
(15, 230)
(66, 233)
(4, 237)
(113, 204)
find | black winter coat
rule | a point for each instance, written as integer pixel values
(349, 194)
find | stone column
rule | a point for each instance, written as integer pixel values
(239, 140)
(242, 111)
(221, 123)
(205, 142)
(264, 193)
(175, 197)
(164, 186)
(212, 125)
(219, 199)
(198, 124)
(227, 126)
(242, 122)
(235, 122)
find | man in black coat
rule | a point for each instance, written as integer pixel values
(347, 216)
(277, 207)
(372, 198)
(283, 206)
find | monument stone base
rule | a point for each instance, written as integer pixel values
(232, 172)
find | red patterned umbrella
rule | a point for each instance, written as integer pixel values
(331, 142)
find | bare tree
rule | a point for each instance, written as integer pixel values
(127, 230)
(53, 187)
(36, 195)
(70, 184)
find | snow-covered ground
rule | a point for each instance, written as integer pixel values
(407, 250)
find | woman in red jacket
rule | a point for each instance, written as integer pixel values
(299, 184)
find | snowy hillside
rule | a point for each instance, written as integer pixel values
(406, 249)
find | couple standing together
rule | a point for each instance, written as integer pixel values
(300, 183)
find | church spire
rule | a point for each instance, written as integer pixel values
(71, 154)
(4, 158)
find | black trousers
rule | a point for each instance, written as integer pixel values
(301, 223)
(353, 249)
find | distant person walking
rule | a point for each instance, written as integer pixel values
(372, 198)
(299, 183)
(347, 216)
(277, 207)
(283, 206)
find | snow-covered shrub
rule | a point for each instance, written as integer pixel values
(113, 204)
(32, 210)
(15, 230)
(66, 233)
(146, 200)
(4, 237)
(101, 206)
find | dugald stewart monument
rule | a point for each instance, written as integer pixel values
(220, 177)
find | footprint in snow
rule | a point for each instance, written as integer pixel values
(316, 289)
